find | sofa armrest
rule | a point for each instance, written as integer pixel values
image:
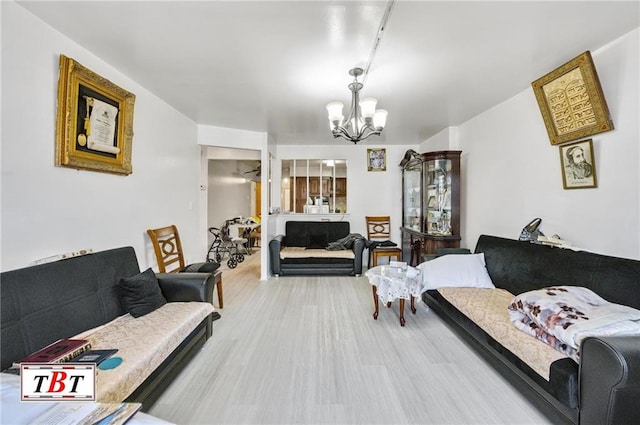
(358, 248)
(275, 245)
(181, 287)
(610, 380)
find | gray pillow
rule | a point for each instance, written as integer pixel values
(141, 294)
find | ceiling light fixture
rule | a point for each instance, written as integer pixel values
(363, 121)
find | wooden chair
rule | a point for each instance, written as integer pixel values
(168, 250)
(254, 236)
(378, 229)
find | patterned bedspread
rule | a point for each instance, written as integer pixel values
(301, 252)
(488, 309)
(143, 343)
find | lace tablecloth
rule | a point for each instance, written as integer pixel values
(393, 282)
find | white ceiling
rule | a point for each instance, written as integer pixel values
(272, 66)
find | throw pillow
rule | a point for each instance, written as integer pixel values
(317, 242)
(456, 270)
(141, 294)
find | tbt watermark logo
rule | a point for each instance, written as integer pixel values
(57, 382)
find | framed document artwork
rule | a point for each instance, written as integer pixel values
(94, 125)
(572, 102)
(578, 165)
(377, 159)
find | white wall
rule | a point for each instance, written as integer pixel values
(48, 210)
(445, 140)
(229, 191)
(511, 173)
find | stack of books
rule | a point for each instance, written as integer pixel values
(61, 351)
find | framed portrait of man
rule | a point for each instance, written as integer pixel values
(578, 165)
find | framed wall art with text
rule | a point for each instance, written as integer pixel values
(572, 102)
(94, 124)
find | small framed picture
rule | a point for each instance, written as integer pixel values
(377, 159)
(578, 165)
(432, 202)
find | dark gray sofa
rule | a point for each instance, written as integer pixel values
(47, 302)
(315, 234)
(605, 387)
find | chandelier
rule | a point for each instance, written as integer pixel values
(363, 120)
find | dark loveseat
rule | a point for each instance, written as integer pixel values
(302, 249)
(605, 387)
(47, 302)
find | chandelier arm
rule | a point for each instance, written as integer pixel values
(373, 133)
(366, 126)
(342, 131)
(345, 136)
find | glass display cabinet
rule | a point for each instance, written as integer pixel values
(412, 195)
(431, 204)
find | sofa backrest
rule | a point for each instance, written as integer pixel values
(306, 233)
(47, 302)
(519, 266)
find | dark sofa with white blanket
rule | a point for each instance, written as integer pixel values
(80, 296)
(302, 250)
(603, 387)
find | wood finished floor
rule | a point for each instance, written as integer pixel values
(306, 350)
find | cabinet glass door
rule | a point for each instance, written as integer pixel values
(437, 197)
(412, 196)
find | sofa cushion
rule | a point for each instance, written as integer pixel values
(487, 308)
(297, 233)
(519, 267)
(143, 343)
(141, 294)
(299, 252)
(317, 241)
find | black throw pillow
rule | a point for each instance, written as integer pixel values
(141, 294)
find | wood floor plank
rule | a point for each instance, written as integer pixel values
(306, 350)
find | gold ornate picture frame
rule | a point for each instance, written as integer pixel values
(94, 124)
(578, 165)
(377, 159)
(572, 102)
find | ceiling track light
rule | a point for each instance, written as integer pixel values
(363, 121)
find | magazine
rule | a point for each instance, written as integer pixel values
(94, 356)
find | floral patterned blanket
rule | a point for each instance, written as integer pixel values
(562, 316)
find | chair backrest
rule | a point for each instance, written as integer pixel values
(225, 231)
(378, 227)
(168, 249)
